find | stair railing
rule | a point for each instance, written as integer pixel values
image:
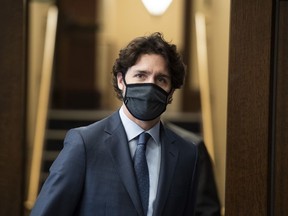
(42, 107)
(202, 57)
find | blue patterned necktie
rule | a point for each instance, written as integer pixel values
(141, 170)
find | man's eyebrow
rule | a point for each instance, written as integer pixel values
(164, 75)
(142, 71)
(160, 74)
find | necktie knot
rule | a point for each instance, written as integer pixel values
(143, 138)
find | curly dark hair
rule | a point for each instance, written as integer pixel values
(152, 44)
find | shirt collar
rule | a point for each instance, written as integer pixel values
(133, 130)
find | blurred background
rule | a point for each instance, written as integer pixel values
(56, 74)
(55, 65)
(70, 85)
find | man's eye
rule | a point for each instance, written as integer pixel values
(139, 75)
(162, 80)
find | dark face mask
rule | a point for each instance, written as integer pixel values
(145, 101)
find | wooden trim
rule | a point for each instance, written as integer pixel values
(248, 165)
(281, 116)
(13, 102)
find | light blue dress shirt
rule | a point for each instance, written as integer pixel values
(153, 152)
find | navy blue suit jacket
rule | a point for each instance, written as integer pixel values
(94, 175)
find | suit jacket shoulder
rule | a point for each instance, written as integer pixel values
(208, 202)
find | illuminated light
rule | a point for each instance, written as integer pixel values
(156, 7)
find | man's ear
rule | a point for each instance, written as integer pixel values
(120, 81)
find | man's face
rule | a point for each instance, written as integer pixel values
(149, 68)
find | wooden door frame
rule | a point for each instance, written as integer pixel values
(13, 106)
(252, 110)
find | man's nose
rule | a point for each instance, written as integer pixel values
(151, 80)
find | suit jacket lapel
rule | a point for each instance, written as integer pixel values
(169, 155)
(119, 150)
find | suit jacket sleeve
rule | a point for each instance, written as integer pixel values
(62, 189)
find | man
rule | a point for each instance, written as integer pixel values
(97, 172)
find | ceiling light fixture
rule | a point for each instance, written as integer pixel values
(156, 7)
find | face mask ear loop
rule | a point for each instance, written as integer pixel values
(124, 98)
(169, 96)
(123, 75)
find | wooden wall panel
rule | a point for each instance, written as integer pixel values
(12, 106)
(247, 171)
(75, 56)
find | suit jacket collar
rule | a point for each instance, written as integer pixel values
(169, 156)
(119, 150)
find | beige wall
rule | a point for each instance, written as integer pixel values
(217, 16)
